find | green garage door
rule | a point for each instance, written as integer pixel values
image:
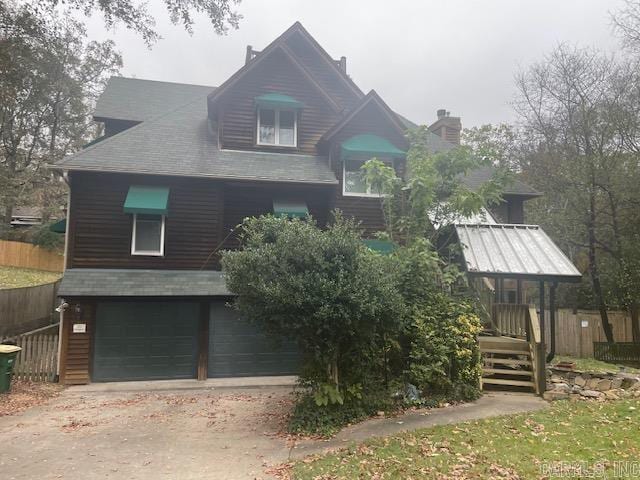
(238, 349)
(145, 341)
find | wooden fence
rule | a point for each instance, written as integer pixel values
(576, 332)
(28, 308)
(26, 255)
(38, 359)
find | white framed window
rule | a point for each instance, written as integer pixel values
(353, 183)
(277, 127)
(148, 235)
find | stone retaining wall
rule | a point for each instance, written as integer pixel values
(563, 384)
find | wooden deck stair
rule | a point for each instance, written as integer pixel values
(507, 363)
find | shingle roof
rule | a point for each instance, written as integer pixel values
(475, 178)
(514, 251)
(179, 143)
(80, 282)
(139, 100)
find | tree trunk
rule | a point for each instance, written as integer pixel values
(333, 370)
(634, 309)
(8, 212)
(593, 268)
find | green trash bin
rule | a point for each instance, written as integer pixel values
(8, 354)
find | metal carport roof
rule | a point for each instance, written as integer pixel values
(514, 251)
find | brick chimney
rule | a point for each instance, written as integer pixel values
(447, 127)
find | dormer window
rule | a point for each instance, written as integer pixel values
(277, 120)
(277, 127)
(357, 150)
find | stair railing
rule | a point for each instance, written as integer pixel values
(538, 351)
(510, 319)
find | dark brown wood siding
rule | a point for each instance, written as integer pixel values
(237, 118)
(511, 210)
(100, 233)
(366, 210)
(324, 74)
(247, 200)
(77, 348)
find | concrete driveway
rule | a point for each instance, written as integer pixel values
(156, 431)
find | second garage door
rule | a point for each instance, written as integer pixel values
(239, 349)
(145, 340)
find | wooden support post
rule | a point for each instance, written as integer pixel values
(203, 341)
(552, 321)
(542, 307)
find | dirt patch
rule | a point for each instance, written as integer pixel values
(24, 395)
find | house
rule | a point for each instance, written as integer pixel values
(155, 199)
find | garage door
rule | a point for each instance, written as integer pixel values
(239, 349)
(145, 341)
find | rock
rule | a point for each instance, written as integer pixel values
(561, 387)
(630, 383)
(636, 393)
(553, 395)
(576, 389)
(603, 385)
(616, 383)
(592, 383)
(556, 378)
(591, 394)
(611, 395)
(580, 381)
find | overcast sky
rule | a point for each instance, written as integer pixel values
(418, 55)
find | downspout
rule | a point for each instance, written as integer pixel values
(552, 321)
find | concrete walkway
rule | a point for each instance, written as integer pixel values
(491, 404)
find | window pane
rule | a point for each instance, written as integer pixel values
(286, 137)
(287, 129)
(148, 233)
(287, 119)
(354, 179)
(267, 129)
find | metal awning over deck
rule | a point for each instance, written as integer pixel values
(514, 251)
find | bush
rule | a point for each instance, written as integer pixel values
(309, 418)
(444, 357)
(365, 323)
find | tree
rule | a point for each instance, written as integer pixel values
(49, 80)
(626, 22)
(322, 288)
(423, 205)
(135, 15)
(581, 106)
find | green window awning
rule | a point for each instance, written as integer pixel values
(277, 100)
(382, 246)
(290, 208)
(371, 145)
(146, 199)
(59, 227)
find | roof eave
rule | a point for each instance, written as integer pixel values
(72, 168)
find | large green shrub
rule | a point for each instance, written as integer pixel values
(444, 357)
(323, 288)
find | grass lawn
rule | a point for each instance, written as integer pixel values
(13, 277)
(592, 365)
(574, 436)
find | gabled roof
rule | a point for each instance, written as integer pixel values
(514, 251)
(370, 98)
(179, 143)
(138, 100)
(279, 44)
(478, 177)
